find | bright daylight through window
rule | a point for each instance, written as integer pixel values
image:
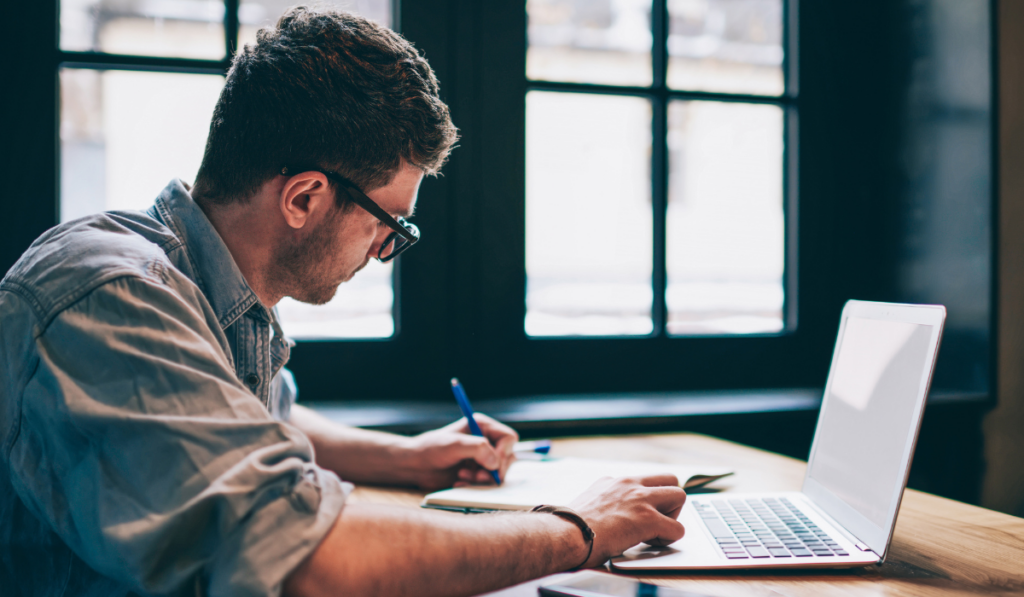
(125, 133)
(599, 118)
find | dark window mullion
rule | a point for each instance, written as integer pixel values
(790, 148)
(790, 78)
(535, 85)
(659, 43)
(230, 27)
(659, 165)
(101, 61)
(659, 206)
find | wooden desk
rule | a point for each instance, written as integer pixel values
(941, 547)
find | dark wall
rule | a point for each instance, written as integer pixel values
(898, 163)
(28, 127)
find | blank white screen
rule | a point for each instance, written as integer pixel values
(867, 417)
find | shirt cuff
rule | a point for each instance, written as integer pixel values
(258, 557)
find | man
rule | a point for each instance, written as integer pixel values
(150, 441)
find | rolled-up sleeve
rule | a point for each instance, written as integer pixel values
(150, 460)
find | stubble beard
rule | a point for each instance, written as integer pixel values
(303, 268)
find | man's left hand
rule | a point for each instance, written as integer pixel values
(451, 456)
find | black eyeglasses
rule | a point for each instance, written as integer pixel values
(404, 235)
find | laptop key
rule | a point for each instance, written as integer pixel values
(801, 553)
(779, 552)
(758, 552)
(737, 556)
(718, 529)
(840, 552)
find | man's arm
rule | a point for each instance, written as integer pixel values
(388, 550)
(431, 460)
(143, 452)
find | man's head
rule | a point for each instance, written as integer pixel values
(322, 91)
(325, 89)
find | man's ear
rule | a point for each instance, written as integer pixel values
(305, 196)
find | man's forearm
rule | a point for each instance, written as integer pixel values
(357, 455)
(386, 550)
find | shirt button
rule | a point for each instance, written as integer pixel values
(252, 380)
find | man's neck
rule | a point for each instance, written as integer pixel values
(246, 238)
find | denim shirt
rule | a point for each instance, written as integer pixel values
(143, 405)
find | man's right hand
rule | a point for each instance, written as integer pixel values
(376, 549)
(630, 510)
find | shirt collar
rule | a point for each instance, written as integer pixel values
(217, 274)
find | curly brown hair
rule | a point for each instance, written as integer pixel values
(329, 90)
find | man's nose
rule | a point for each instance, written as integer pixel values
(378, 241)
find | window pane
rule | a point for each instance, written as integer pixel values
(588, 215)
(732, 46)
(725, 220)
(361, 309)
(254, 14)
(125, 135)
(177, 28)
(589, 41)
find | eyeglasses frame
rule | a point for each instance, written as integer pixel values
(407, 230)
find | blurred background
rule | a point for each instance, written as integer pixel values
(653, 218)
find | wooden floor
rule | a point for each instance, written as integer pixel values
(941, 547)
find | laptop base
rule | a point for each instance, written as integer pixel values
(700, 549)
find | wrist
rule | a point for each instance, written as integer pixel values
(406, 456)
(583, 530)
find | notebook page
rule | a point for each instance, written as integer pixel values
(555, 482)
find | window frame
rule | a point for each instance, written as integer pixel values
(661, 96)
(460, 297)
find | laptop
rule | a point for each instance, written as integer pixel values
(845, 513)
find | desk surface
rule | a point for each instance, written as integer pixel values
(941, 547)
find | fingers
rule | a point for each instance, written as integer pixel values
(459, 447)
(503, 438)
(668, 532)
(472, 474)
(667, 499)
(470, 458)
(658, 480)
(496, 431)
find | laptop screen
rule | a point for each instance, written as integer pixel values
(870, 414)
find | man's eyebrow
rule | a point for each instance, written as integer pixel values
(407, 213)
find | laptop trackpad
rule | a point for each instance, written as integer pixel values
(695, 549)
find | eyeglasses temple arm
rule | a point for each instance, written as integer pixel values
(371, 206)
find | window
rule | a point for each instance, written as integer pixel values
(617, 211)
(141, 116)
(654, 166)
(698, 283)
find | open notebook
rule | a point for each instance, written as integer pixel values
(557, 483)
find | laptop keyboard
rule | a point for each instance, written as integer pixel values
(765, 528)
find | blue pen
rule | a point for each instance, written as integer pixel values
(467, 411)
(538, 446)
